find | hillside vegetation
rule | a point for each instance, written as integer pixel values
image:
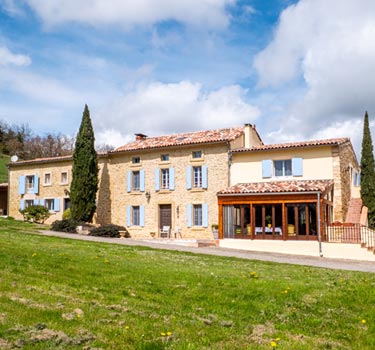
(4, 159)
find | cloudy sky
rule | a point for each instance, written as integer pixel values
(298, 70)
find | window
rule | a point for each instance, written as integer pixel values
(197, 176)
(29, 183)
(49, 204)
(283, 167)
(47, 179)
(164, 157)
(136, 216)
(197, 214)
(64, 178)
(29, 202)
(197, 154)
(136, 181)
(136, 160)
(165, 179)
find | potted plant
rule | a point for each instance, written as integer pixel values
(215, 230)
(269, 220)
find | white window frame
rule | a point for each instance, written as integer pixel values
(47, 183)
(49, 203)
(61, 178)
(30, 182)
(197, 215)
(136, 215)
(197, 177)
(284, 167)
(136, 180)
(165, 179)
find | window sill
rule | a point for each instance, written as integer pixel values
(47, 185)
(137, 165)
(198, 189)
(164, 162)
(165, 191)
(198, 228)
(196, 161)
(136, 193)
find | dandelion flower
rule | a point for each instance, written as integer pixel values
(126, 327)
(273, 344)
(163, 334)
(169, 334)
(363, 321)
(34, 254)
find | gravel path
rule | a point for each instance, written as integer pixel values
(341, 264)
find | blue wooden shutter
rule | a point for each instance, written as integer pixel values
(354, 178)
(142, 181)
(171, 179)
(188, 177)
(129, 183)
(205, 215)
(22, 204)
(142, 215)
(188, 215)
(266, 168)
(21, 185)
(157, 179)
(359, 180)
(41, 201)
(128, 215)
(35, 201)
(204, 177)
(297, 167)
(36, 184)
(56, 204)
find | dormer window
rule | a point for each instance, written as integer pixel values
(164, 157)
(136, 160)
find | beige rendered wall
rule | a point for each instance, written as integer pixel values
(317, 164)
(214, 157)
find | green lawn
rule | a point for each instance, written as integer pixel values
(67, 294)
(3, 169)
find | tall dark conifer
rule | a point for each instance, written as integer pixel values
(368, 173)
(84, 173)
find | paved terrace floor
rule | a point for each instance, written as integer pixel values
(286, 254)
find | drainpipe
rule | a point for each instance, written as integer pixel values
(319, 233)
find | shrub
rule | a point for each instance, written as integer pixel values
(109, 231)
(35, 213)
(67, 225)
(66, 214)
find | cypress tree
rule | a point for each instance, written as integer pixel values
(368, 173)
(84, 173)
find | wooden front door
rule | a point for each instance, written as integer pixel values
(165, 215)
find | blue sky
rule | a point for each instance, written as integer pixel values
(298, 70)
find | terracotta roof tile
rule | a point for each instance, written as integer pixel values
(278, 187)
(314, 143)
(189, 138)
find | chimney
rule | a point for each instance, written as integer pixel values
(139, 137)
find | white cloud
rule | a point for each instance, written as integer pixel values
(9, 58)
(158, 109)
(211, 13)
(330, 46)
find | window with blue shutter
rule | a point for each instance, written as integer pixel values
(188, 215)
(22, 204)
(142, 181)
(205, 215)
(36, 184)
(157, 179)
(171, 179)
(297, 166)
(128, 215)
(129, 183)
(57, 204)
(21, 184)
(35, 201)
(41, 201)
(266, 168)
(142, 215)
(204, 177)
(188, 177)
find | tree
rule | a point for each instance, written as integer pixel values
(84, 173)
(368, 173)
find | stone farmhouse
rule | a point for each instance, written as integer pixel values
(184, 184)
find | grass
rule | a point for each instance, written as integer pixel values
(67, 294)
(4, 159)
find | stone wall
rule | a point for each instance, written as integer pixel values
(215, 157)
